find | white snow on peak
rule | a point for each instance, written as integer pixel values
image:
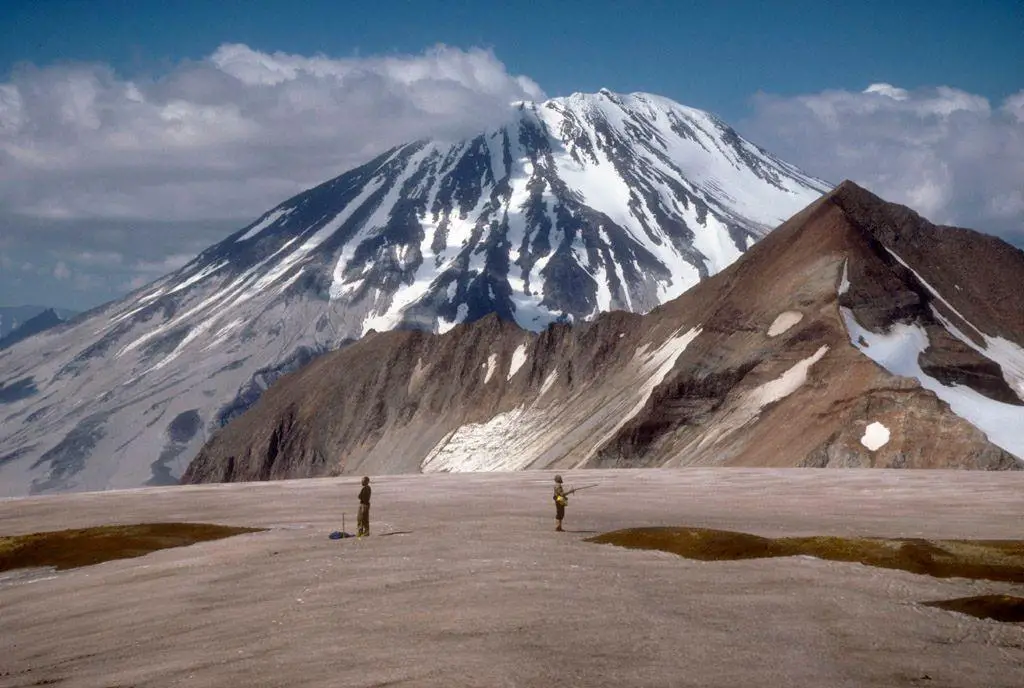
(268, 219)
(875, 436)
(784, 321)
(518, 359)
(898, 353)
(197, 276)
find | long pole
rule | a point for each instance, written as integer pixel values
(577, 489)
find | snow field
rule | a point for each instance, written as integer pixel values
(898, 353)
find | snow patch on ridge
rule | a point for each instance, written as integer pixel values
(784, 321)
(1010, 358)
(492, 364)
(268, 220)
(898, 353)
(751, 405)
(548, 383)
(933, 290)
(518, 359)
(875, 436)
(1007, 354)
(500, 444)
(652, 367)
(844, 282)
(785, 384)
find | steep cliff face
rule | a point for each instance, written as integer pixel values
(824, 345)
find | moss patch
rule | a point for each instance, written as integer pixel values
(997, 607)
(999, 560)
(65, 549)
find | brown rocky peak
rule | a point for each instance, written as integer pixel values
(850, 336)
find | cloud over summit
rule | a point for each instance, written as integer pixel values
(147, 171)
(229, 135)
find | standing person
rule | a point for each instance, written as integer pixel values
(561, 499)
(363, 519)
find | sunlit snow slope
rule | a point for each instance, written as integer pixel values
(571, 207)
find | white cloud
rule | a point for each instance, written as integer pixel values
(1014, 106)
(120, 180)
(231, 135)
(945, 152)
(888, 90)
(156, 268)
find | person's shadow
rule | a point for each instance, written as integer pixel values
(567, 530)
(396, 532)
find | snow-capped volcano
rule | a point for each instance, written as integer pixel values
(571, 207)
(579, 205)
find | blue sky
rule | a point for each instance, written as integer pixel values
(711, 55)
(134, 134)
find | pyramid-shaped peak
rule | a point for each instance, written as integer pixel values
(873, 212)
(850, 190)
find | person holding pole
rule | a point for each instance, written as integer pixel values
(562, 498)
(363, 518)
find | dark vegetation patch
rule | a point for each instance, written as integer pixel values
(66, 549)
(996, 607)
(999, 560)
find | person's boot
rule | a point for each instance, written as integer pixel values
(559, 527)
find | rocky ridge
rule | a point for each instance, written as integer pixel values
(855, 334)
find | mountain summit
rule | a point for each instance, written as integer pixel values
(571, 207)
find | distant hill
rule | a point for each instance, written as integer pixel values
(13, 317)
(49, 317)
